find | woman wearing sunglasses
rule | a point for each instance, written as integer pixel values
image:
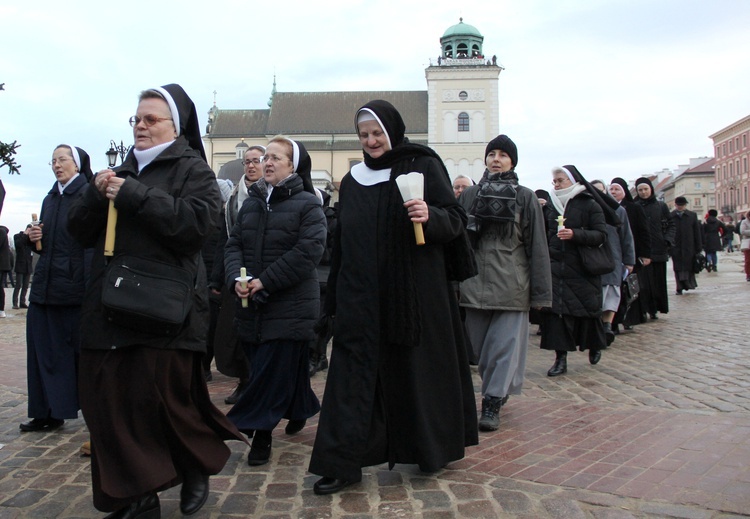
(142, 392)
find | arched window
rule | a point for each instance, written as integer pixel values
(463, 122)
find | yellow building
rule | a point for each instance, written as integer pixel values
(457, 115)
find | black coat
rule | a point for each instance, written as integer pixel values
(24, 256)
(62, 270)
(640, 229)
(574, 291)
(711, 236)
(281, 244)
(661, 227)
(687, 240)
(165, 213)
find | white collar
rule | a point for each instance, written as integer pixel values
(369, 177)
(61, 187)
(145, 157)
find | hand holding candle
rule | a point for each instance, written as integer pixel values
(411, 187)
(36, 223)
(242, 280)
(560, 222)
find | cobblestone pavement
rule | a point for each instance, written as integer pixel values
(659, 428)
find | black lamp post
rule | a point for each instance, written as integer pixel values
(115, 150)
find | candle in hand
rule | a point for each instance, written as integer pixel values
(243, 279)
(560, 222)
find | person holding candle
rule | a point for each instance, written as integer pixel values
(143, 393)
(399, 386)
(576, 217)
(277, 241)
(52, 335)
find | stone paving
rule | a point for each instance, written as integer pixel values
(659, 428)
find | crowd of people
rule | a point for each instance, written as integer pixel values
(157, 268)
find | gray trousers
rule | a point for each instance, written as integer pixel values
(500, 340)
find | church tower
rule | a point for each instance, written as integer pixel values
(463, 109)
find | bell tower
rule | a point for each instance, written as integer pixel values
(462, 106)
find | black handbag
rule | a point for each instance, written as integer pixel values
(631, 288)
(597, 260)
(147, 295)
(699, 263)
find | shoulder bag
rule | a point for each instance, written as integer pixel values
(597, 260)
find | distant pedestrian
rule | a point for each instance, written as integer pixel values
(745, 243)
(653, 278)
(460, 183)
(687, 243)
(712, 231)
(728, 237)
(23, 268)
(6, 264)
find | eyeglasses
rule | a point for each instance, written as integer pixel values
(556, 181)
(272, 158)
(149, 120)
(61, 160)
(251, 161)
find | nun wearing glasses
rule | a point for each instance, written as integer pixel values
(143, 393)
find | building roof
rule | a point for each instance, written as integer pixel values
(318, 113)
(232, 170)
(703, 168)
(462, 29)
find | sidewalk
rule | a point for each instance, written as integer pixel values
(659, 428)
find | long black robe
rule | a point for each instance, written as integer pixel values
(387, 403)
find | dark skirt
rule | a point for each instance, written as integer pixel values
(685, 280)
(653, 296)
(279, 386)
(52, 347)
(569, 333)
(228, 353)
(151, 419)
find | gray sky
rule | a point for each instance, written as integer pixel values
(618, 88)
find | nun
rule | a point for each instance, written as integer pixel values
(143, 393)
(52, 335)
(278, 238)
(399, 386)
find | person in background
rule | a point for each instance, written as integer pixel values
(399, 385)
(745, 243)
(52, 322)
(22, 267)
(460, 183)
(6, 264)
(653, 277)
(143, 392)
(712, 231)
(514, 276)
(231, 359)
(687, 243)
(620, 242)
(576, 217)
(728, 238)
(630, 315)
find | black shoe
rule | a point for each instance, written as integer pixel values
(678, 293)
(326, 486)
(294, 426)
(560, 366)
(41, 424)
(145, 508)
(318, 364)
(653, 316)
(208, 375)
(595, 356)
(15, 307)
(609, 333)
(237, 393)
(24, 305)
(490, 420)
(260, 450)
(194, 492)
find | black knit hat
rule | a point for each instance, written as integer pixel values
(503, 143)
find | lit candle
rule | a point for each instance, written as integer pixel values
(243, 279)
(560, 222)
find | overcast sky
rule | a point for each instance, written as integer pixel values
(618, 88)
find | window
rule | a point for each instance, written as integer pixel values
(697, 202)
(463, 122)
(737, 143)
(731, 148)
(462, 95)
(697, 185)
(744, 140)
(724, 149)
(744, 164)
(712, 186)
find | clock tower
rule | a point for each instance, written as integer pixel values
(462, 92)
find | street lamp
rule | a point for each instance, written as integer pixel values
(115, 150)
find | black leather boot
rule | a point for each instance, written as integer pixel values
(145, 508)
(260, 450)
(490, 420)
(561, 364)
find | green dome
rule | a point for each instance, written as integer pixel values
(462, 29)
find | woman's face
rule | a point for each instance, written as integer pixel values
(644, 191)
(252, 165)
(163, 131)
(277, 164)
(617, 192)
(497, 161)
(63, 165)
(373, 139)
(560, 180)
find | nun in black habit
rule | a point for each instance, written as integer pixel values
(143, 393)
(399, 387)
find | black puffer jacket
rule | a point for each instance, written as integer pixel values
(280, 243)
(711, 236)
(61, 272)
(574, 291)
(165, 213)
(660, 225)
